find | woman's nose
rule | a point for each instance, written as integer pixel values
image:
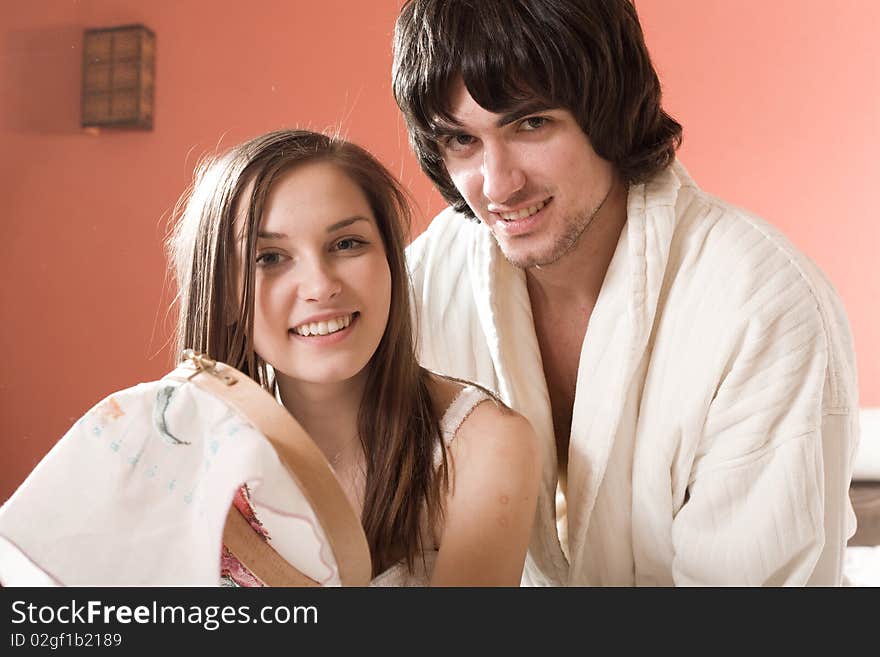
(319, 282)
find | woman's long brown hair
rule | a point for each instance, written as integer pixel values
(398, 425)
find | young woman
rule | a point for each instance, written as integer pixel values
(289, 256)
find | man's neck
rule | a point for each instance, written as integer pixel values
(563, 296)
(576, 278)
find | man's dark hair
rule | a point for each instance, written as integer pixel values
(586, 56)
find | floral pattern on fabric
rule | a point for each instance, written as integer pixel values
(242, 502)
(232, 571)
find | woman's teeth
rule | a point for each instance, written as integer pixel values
(522, 214)
(324, 328)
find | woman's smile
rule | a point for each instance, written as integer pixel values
(325, 332)
(323, 283)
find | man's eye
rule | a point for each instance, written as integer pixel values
(458, 142)
(534, 122)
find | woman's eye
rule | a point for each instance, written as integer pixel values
(348, 244)
(268, 259)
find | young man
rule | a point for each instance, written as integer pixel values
(690, 373)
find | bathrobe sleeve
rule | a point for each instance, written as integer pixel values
(768, 496)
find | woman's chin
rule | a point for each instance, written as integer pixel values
(326, 376)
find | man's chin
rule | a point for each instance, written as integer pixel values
(536, 256)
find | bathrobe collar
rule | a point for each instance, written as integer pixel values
(615, 343)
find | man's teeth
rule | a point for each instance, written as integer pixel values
(323, 328)
(522, 214)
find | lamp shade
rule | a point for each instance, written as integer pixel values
(118, 77)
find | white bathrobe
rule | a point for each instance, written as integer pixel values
(715, 418)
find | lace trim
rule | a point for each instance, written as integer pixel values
(467, 399)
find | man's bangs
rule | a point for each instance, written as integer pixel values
(496, 85)
(524, 71)
(505, 90)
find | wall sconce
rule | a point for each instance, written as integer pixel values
(118, 77)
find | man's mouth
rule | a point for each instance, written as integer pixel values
(325, 327)
(524, 212)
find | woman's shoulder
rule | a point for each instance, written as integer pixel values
(443, 391)
(450, 393)
(477, 418)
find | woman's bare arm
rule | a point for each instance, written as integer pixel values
(494, 473)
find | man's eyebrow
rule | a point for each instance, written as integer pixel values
(451, 128)
(521, 111)
(441, 128)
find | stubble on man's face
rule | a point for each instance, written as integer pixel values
(573, 230)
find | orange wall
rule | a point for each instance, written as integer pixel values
(780, 103)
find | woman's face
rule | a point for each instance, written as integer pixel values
(323, 285)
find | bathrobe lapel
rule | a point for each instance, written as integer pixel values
(612, 365)
(613, 349)
(505, 313)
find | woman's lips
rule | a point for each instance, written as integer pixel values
(329, 338)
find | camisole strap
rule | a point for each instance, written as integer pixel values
(463, 405)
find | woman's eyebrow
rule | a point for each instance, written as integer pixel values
(345, 222)
(264, 235)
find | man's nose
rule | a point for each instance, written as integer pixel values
(503, 176)
(318, 281)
